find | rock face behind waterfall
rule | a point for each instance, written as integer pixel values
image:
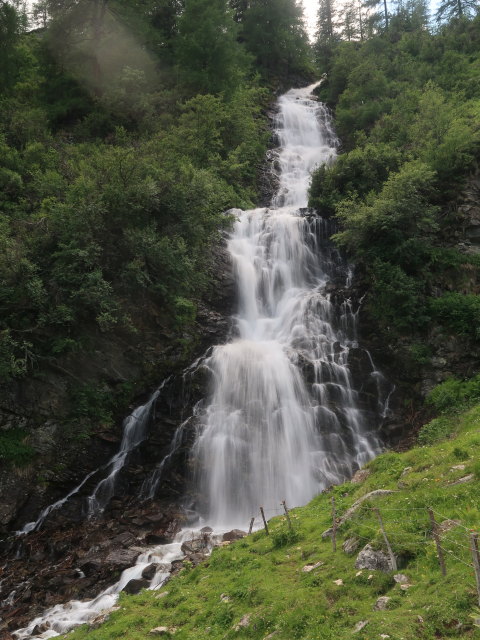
(69, 556)
(300, 399)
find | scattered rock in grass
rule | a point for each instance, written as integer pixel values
(447, 525)
(234, 534)
(224, 597)
(368, 558)
(360, 625)
(271, 635)
(463, 480)
(384, 636)
(310, 567)
(159, 631)
(420, 620)
(458, 467)
(350, 545)
(101, 618)
(360, 476)
(400, 578)
(359, 573)
(244, 622)
(161, 595)
(338, 582)
(404, 587)
(381, 604)
(405, 471)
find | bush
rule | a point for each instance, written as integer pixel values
(284, 537)
(13, 448)
(458, 312)
(435, 431)
(455, 395)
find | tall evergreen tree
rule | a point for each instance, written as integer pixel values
(12, 23)
(449, 9)
(274, 32)
(210, 59)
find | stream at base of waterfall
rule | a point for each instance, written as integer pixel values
(284, 419)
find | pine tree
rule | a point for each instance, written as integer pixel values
(449, 9)
(210, 59)
(274, 32)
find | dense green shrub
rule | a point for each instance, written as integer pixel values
(436, 430)
(455, 395)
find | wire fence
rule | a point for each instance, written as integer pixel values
(401, 530)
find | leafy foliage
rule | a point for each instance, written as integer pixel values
(405, 108)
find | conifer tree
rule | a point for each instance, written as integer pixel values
(274, 32)
(210, 59)
(449, 9)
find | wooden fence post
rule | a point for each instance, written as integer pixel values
(251, 526)
(436, 537)
(287, 514)
(334, 525)
(476, 560)
(393, 561)
(264, 521)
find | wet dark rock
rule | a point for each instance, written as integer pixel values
(122, 558)
(195, 546)
(135, 586)
(149, 572)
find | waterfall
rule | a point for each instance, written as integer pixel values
(268, 433)
(285, 418)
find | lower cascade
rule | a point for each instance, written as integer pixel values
(286, 417)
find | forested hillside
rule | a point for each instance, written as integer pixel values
(405, 189)
(126, 130)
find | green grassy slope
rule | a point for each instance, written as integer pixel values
(262, 577)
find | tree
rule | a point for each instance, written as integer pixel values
(210, 59)
(449, 9)
(274, 32)
(11, 25)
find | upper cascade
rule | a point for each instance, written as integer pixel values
(270, 432)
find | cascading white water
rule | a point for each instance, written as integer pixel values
(267, 434)
(270, 432)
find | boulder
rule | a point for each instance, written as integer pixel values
(381, 604)
(234, 534)
(194, 546)
(135, 586)
(369, 558)
(350, 545)
(150, 571)
(122, 558)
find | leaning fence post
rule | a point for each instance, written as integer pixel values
(264, 521)
(393, 561)
(251, 526)
(287, 514)
(436, 537)
(476, 560)
(334, 525)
